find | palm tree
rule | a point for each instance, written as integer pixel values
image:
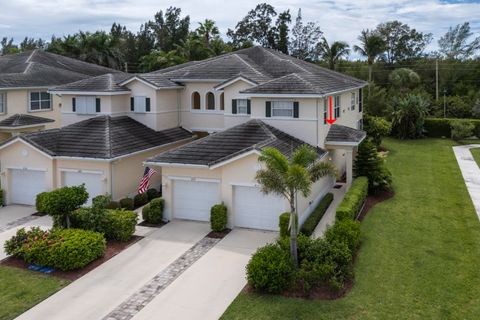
(288, 176)
(333, 53)
(372, 47)
(208, 31)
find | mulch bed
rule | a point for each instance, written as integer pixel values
(39, 214)
(219, 235)
(113, 248)
(152, 225)
(372, 201)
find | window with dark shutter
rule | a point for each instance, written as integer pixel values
(132, 104)
(295, 109)
(360, 105)
(249, 107)
(74, 105)
(147, 104)
(234, 106)
(268, 109)
(97, 105)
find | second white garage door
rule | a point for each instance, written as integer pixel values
(192, 200)
(25, 185)
(255, 210)
(93, 182)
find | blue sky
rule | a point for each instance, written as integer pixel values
(339, 20)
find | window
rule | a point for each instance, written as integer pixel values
(40, 101)
(86, 105)
(196, 100)
(140, 104)
(360, 100)
(210, 101)
(325, 110)
(282, 109)
(353, 101)
(337, 106)
(3, 102)
(242, 106)
(222, 101)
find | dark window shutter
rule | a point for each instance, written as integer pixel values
(295, 109)
(147, 104)
(360, 100)
(249, 107)
(74, 105)
(97, 105)
(132, 104)
(268, 109)
(234, 106)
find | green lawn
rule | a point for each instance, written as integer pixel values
(476, 154)
(420, 253)
(21, 289)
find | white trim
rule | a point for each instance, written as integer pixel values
(25, 127)
(286, 119)
(24, 88)
(27, 144)
(240, 156)
(89, 93)
(206, 180)
(100, 172)
(244, 184)
(179, 178)
(239, 115)
(26, 168)
(174, 165)
(207, 111)
(341, 143)
(145, 82)
(297, 95)
(197, 80)
(29, 101)
(203, 129)
(236, 79)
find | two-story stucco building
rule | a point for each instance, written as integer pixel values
(238, 102)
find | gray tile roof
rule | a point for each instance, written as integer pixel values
(21, 120)
(339, 133)
(102, 137)
(104, 83)
(42, 69)
(224, 145)
(158, 80)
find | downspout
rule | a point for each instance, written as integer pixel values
(112, 176)
(316, 127)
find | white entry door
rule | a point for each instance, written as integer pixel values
(93, 182)
(192, 200)
(253, 209)
(25, 185)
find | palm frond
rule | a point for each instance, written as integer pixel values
(304, 156)
(321, 169)
(271, 182)
(274, 159)
(298, 179)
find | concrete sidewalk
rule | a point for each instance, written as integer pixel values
(97, 293)
(328, 218)
(206, 289)
(470, 172)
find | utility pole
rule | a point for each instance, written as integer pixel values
(436, 79)
(444, 103)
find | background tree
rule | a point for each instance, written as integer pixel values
(404, 79)
(7, 46)
(208, 31)
(287, 177)
(372, 47)
(305, 37)
(408, 113)
(455, 43)
(331, 54)
(169, 29)
(282, 31)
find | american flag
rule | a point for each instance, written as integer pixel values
(145, 182)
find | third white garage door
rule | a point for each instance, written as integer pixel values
(93, 182)
(192, 200)
(255, 210)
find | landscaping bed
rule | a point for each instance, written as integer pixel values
(112, 249)
(372, 200)
(218, 234)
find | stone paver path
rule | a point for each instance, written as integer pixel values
(470, 172)
(129, 308)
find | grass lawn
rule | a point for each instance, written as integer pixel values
(420, 253)
(21, 289)
(476, 154)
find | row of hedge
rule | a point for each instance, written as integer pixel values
(353, 201)
(137, 201)
(441, 127)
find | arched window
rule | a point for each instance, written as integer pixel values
(196, 100)
(222, 101)
(210, 99)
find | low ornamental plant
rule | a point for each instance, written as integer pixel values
(127, 203)
(312, 221)
(140, 200)
(218, 217)
(353, 200)
(153, 212)
(60, 203)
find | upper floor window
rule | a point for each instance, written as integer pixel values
(196, 100)
(222, 101)
(3, 102)
(40, 100)
(337, 106)
(210, 101)
(86, 105)
(282, 109)
(353, 101)
(140, 104)
(242, 106)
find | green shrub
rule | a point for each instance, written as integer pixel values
(153, 212)
(118, 224)
(303, 243)
(64, 249)
(437, 128)
(113, 205)
(283, 222)
(312, 221)
(345, 231)
(14, 245)
(353, 200)
(461, 129)
(152, 193)
(377, 128)
(408, 115)
(270, 269)
(101, 201)
(218, 217)
(60, 203)
(40, 202)
(127, 203)
(87, 218)
(140, 200)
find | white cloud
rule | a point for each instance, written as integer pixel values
(340, 20)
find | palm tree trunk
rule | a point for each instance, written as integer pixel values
(293, 233)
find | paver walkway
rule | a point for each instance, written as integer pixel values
(470, 172)
(328, 218)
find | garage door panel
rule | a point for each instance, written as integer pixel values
(93, 182)
(25, 185)
(192, 200)
(255, 210)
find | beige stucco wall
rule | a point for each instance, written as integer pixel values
(17, 102)
(233, 92)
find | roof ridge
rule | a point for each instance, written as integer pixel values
(305, 81)
(248, 64)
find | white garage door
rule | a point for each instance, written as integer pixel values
(193, 199)
(255, 210)
(25, 185)
(93, 182)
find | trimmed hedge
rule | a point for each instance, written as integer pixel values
(345, 231)
(312, 221)
(440, 127)
(140, 200)
(127, 203)
(353, 200)
(153, 212)
(218, 217)
(153, 193)
(63, 249)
